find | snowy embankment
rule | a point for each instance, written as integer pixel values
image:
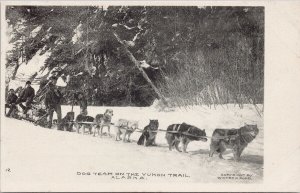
(45, 157)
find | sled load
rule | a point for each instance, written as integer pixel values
(37, 115)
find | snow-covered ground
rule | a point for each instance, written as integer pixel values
(40, 156)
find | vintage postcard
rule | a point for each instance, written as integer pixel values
(140, 96)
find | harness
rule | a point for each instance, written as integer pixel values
(186, 133)
(126, 127)
(152, 129)
(244, 139)
(240, 135)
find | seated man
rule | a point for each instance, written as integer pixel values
(26, 96)
(11, 102)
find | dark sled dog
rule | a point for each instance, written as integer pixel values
(183, 133)
(149, 134)
(66, 122)
(84, 121)
(235, 139)
(103, 120)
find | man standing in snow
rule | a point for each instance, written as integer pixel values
(53, 99)
(26, 96)
(11, 102)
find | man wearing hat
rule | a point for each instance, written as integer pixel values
(26, 96)
(53, 99)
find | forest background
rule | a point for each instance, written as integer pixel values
(191, 55)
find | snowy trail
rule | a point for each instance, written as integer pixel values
(47, 156)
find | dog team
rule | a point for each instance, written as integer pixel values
(95, 125)
(222, 139)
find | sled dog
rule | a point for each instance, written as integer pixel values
(127, 127)
(103, 120)
(84, 121)
(235, 139)
(183, 133)
(67, 121)
(149, 134)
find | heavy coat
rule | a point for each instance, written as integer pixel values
(27, 95)
(11, 98)
(53, 97)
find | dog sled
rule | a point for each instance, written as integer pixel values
(36, 114)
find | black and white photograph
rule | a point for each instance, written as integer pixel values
(97, 94)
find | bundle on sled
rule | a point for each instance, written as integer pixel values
(35, 114)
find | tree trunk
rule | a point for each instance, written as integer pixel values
(129, 91)
(13, 77)
(87, 55)
(137, 64)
